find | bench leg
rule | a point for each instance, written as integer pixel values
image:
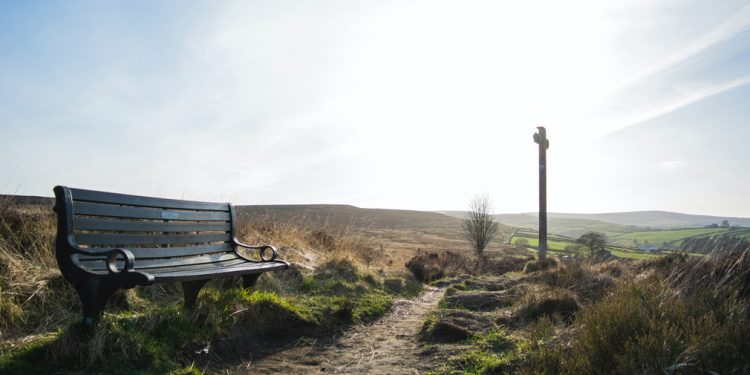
(190, 290)
(94, 294)
(248, 281)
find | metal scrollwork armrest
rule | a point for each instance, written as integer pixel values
(262, 250)
(112, 259)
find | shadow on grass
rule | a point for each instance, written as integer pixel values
(226, 329)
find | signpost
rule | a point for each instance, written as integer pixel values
(541, 139)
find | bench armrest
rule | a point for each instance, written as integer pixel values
(262, 249)
(112, 258)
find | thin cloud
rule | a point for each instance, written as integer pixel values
(690, 74)
(686, 99)
(703, 45)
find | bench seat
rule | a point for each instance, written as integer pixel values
(108, 241)
(191, 271)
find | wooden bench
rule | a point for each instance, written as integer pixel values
(107, 241)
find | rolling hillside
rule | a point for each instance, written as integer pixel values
(391, 229)
(611, 223)
(572, 227)
(407, 229)
(354, 216)
(657, 219)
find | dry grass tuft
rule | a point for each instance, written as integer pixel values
(34, 298)
(682, 314)
(717, 271)
(431, 266)
(452, 325)
(589, 283)
(310, 244)
(554, 303)
(539, 265)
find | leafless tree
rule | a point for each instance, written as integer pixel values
(479, 227)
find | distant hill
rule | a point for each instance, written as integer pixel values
(394, 230)
(658, 219)
(355, 216)
(559, 223)
(612, 223)
(571, 227)
(345, 215)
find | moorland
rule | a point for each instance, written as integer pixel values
(383, 291)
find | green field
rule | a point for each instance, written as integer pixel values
(743, 233)
(668, 237)
(632, 254)
(626, 245)
(556, 245)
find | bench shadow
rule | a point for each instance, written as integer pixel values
(242, 351)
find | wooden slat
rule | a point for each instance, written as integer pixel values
(169, 252)
(203, 267)
(99, 266)
(136, 200)
(107, 210)
(146, 264)
(244, 269)
(87, 223)
(148, 239)
(185, 261)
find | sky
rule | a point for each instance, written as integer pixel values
(409, 104)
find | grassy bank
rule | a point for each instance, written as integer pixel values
(674, 315)
(147, 330)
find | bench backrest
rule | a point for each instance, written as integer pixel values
(149, 227)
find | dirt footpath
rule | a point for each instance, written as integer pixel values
(386, 346)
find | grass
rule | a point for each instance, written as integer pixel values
(395, 235)
(561, 245)
(500, 351)
(549, 302)
(154, 341)
(659, 237)
(34, 298)
(632, 254)
(671, 314)
(688, 315)
(156, 338)
(676, 314)
(429, 266)
(558, 244)
(624, 245)
(147, 330)
(643, 330)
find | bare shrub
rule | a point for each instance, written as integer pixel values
(479, 228)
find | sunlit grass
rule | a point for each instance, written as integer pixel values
(147, 330)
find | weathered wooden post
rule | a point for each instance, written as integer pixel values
(541, 139)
